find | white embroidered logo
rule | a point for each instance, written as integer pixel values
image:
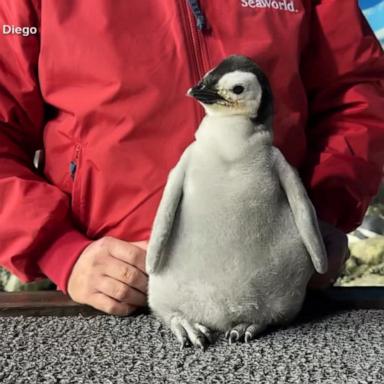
(282, 5)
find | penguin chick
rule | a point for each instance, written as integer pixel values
(235, 239)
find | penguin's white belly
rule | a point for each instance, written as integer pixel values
(235, 249)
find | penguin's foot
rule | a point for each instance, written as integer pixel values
(244, 331)
(188, 332)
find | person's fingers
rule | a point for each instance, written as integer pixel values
(141, 244)
(108, 305)
(128, 253)
(126, 273)
(121, 292)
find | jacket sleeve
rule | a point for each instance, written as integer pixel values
(37, 237)
(343, 71)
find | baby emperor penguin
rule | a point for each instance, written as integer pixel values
(235, 239)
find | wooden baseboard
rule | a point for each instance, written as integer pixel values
(41, 303)
(55, 303)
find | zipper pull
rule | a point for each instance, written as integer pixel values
(73, 163)
(199, 16)
(72, 169)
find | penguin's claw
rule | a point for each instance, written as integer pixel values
(184, 343)
(243, 331)
(186, 333)
(206, 331)
(253, 330)
(234, 336)
(200, 343)
(236, 333)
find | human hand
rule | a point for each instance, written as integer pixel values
(110, 276)
(336, 244)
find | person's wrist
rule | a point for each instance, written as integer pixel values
(143, 244)
(58, 260)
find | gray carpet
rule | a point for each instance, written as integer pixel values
(342, 347)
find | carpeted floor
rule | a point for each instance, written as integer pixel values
(345, 347)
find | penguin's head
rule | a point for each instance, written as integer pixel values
(237, 86)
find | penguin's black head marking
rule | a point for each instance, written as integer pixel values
(236, 86)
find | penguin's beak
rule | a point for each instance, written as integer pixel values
(204, 94)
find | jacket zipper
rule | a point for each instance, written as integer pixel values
(200, 66)
(194, 38)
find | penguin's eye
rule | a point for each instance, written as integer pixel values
(238, 89)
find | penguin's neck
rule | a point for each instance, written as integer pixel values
(232, 133)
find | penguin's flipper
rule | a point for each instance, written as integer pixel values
(163, 223)
(303, 211)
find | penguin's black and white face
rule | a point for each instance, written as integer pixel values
(237, 86)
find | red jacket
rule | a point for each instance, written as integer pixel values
(102, 88)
